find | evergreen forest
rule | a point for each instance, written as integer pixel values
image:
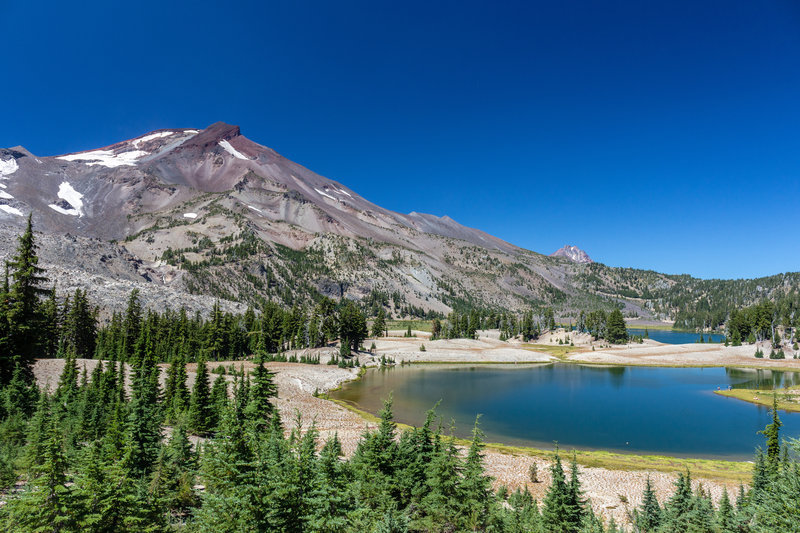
(114, 449)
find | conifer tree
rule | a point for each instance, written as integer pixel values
(47, 501)
(173, 477)
(51, 325)
(200, 410)
(616, 331)
(648, 516)
(37, 432)
(176, 393)
(557, 512)
(576, 501)
(379, 325)
(105, 496)
(725, 518)
(24, 311)
(677, 509)
(442, 505)
(263, 389)
(352, 327)
(476, 485)
(772, 433)
(80, 327)
(144, 416)
(219, 400)
(19, 397)
(132, 326)
(335, 474)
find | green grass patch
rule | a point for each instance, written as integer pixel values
(786, 401)
(419, 325)
(706, 468)
(659, 327)
(557, 350)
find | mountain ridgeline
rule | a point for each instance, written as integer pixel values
(190, 213)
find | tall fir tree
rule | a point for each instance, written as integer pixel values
(260, 410)
(648, 517)
(24, 313)
(616, 331)
(200, 409)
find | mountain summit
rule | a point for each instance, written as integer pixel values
(573, 253)
(187, 214)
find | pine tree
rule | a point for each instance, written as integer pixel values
(616, 331)
(47, 504)
(144, 416)
(557, 511)
(176, 394)
(677, 508)
(260, 409)
(648, 516)
(576, 501)
(37, 432)
(19, 397)
(51, 325)
(442, 506)
(725, 519)
(24, 313)
(476, 486)
(173, 477)
(132, 325)
(338, 500)
(379, 325)
(106, 496)
(200, 410)
(80, 327)
(772, 433)
(219, 400)
(352, 327)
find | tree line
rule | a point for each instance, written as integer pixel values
(93, 454)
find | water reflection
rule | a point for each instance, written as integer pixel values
(636, 409)
(761, 378)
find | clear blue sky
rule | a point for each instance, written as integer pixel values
(657, 135)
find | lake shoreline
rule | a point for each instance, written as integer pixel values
(605, 476)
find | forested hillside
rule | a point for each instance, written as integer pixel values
(111, 451)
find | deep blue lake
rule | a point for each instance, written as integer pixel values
(676, 337)
(666, 411)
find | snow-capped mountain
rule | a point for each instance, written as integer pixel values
(212, 212)
(109, 192)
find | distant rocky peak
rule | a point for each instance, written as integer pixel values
(573, 253)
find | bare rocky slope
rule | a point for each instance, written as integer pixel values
(183, 213)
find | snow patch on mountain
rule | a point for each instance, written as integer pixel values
(5, 195)
(190, 215)
(73, 199)
(10, 210)
(231, 150)
(324, 194)
(159, 135)
(106, 158)
(7, 167)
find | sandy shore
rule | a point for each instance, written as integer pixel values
(298, 382)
